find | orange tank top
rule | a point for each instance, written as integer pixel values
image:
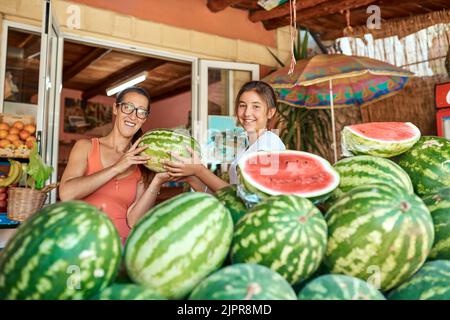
(115, 196)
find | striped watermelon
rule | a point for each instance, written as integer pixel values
(263, 174)
(128, 292)
(228, 196)
(363, 170)
(432, 282)
(428, 164)
(244, 282)
(439, 206)
(380, 233)
(339, 287)
(381, 139)
(285, 233)
(68, 250)
(178, 243)
(162, 141)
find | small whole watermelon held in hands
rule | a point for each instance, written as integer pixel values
(263, 174)
(381, 139)
(162, 141)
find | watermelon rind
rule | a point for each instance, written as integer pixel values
(119, 291)
(68, 250)
(339, 287)
(432, 282)
(286, 233)
(243, 282)
(378, 232)
(363, 170)
(439, 206)
(228, 196)
(178, 243)
(428, 164)
(359, 144)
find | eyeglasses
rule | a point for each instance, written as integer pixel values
(128, 108)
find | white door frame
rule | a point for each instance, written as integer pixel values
(204, 65)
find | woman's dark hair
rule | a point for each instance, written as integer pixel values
(138, 90)
(147, 175)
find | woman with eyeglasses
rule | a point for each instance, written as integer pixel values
(105, 171)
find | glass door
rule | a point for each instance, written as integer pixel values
(217, 130)
(47, 120)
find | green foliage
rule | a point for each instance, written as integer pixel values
(38, 171)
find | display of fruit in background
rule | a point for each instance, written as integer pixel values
(31, 128)
(19, 125)
(14, 174)
(14, 131)
(17, 136)
(3, 134)
(24, 134)
(12, 178)
(12, 137)
(4, 143)
(3, 198)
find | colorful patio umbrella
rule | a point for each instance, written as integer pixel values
(336, 80)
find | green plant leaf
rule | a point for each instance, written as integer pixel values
(275, 57)
(304, 52)
(37, 169)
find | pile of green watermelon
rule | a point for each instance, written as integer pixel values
(373, 226)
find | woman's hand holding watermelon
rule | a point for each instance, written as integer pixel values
(131, 157)
(184, 167)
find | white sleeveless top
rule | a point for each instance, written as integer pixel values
(268, 141)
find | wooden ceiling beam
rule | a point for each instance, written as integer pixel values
(219, 5)
(100, 87)
(167, 90)
(280, 11)
(247, 5)
(94, 55)
(323, 9)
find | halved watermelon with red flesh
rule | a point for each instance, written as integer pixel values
(381, 139)
(263, 174)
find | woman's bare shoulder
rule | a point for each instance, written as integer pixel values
(82, 145)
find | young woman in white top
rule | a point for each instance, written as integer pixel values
(255, 105)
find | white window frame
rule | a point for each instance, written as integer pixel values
(6, 25)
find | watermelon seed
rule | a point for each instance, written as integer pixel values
(302, 219)
(253, 289)
(405, 206)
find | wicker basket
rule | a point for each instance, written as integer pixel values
(24, 202)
